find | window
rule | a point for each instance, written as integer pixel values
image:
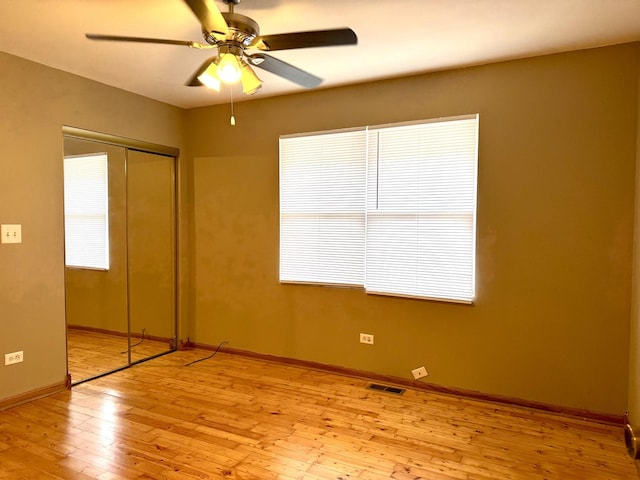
(322, 208)
(389, 208)
(86, 211)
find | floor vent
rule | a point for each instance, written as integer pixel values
(386, 388)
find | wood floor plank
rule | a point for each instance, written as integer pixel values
(92, 353)
(236, 418)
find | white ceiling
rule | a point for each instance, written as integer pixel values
(394, 38)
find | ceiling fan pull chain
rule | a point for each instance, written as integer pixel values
(233, 118)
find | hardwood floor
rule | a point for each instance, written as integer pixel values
(238, 418)
(92, 353)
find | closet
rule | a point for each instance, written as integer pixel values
(120, 252)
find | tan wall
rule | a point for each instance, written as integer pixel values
(36, 102)
(556, 182)
(555, 222)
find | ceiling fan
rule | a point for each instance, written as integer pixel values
(233, 34)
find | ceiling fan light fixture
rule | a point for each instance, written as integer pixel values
(209, 78)
(229, 68)
(250, 81)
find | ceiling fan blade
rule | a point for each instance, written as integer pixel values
(209, 15)
(317, 38)
(193, 81)
(284, 70)
(118, 38)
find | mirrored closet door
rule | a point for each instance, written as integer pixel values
(120, 254)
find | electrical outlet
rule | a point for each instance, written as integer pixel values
(366, 338)
(419, 372)
(11, 233)
(15, 357)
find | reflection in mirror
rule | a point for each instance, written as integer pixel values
(96, 298)
(150, 250)
(120, 256)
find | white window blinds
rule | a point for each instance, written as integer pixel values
(86, 211)
(322, 208)
(392, 208)
(421, 205)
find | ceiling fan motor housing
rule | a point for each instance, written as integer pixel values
(242, 30)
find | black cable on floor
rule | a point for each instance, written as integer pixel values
(210, 356)
(136, 344)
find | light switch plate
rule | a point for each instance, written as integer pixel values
(11, 233)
